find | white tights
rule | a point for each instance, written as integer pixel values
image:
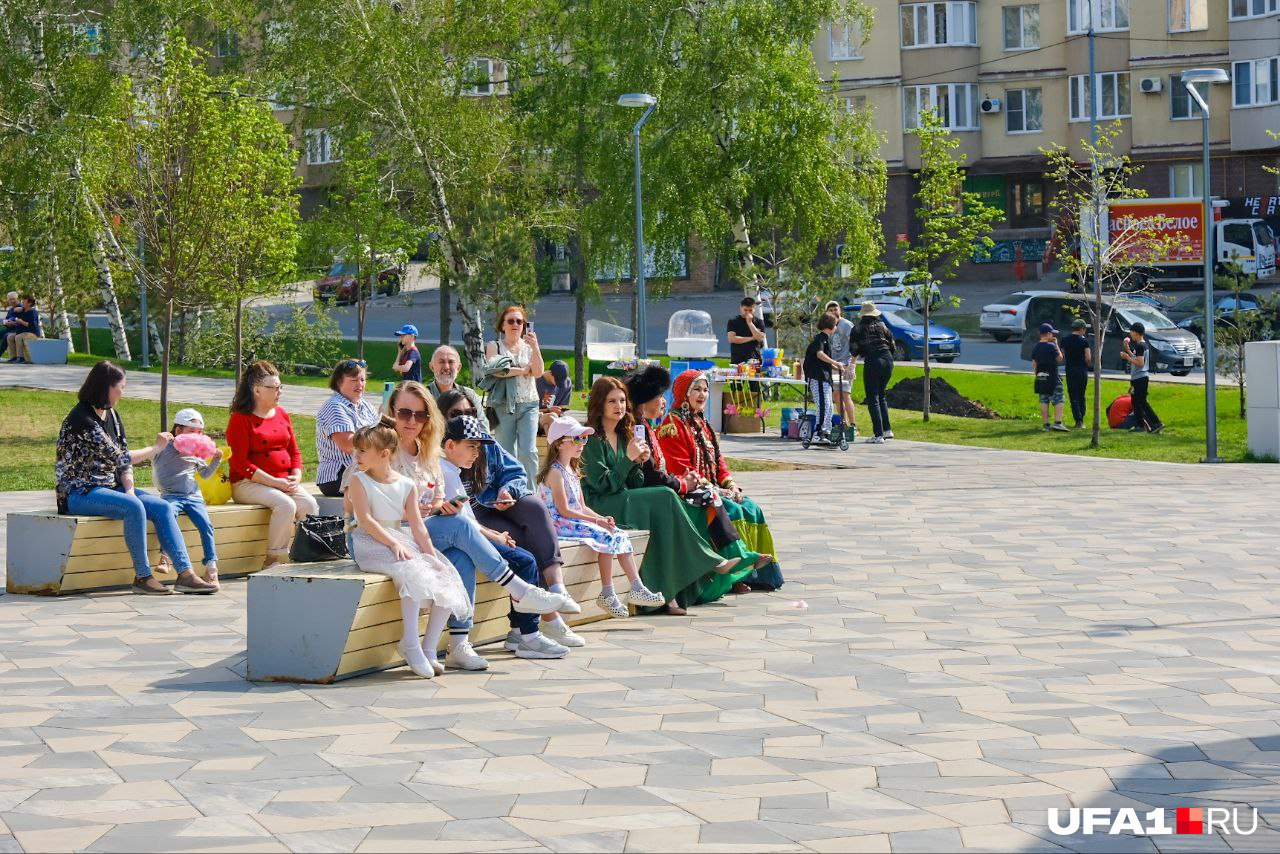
(436, 620)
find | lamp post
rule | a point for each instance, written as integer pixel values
(650, 103)
(1190, 78)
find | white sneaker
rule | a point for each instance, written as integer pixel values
(645, 598)
(462, 656)
(876, 440)
(536, 645)
(539, 601)
(613, 606)
(563, 635)
(888, 434)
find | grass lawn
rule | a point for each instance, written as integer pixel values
(31, 419)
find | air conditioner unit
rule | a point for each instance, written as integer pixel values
(1151, 85)
(989, 105)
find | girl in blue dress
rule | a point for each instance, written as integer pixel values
(561, 490)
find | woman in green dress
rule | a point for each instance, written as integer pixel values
(677, 558)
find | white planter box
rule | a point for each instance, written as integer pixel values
(48, 351)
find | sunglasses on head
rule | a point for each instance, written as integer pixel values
(348, 364)
(406, 414)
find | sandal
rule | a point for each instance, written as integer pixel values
(740, 588)
(673, 609)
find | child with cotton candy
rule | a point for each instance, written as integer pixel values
(173, 471)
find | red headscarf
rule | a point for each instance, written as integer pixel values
(680, 388)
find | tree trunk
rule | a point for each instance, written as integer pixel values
(106, 284)
(745, 258)
(927, 377)
(159, 343)
(164, 365)
(57, 299)
(446, 306)
(84, 332)
(239, 338)
(1098, 330)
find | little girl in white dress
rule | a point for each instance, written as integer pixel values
(561, 489)
(382, 499)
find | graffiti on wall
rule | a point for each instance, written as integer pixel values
(1006, 251)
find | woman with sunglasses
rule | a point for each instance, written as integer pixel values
(518, 415)
(266, 465)
(345, 412)
(503, 501)
(464, 542)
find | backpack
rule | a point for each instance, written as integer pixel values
(1120, 412)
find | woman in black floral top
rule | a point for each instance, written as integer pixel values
(95, 478)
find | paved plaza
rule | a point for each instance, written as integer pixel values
(967, 637)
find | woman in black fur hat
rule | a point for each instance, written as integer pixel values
(646, 389)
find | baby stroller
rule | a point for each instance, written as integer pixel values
(840, 432)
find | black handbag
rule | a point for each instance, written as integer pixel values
(1044, 383)
(319, 538)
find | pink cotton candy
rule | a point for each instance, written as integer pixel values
(195, 445)
(798, 604)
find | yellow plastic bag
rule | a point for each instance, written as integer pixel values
(217, 488)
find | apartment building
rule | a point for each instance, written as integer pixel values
(1012, 77)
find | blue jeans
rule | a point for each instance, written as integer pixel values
(198, 513)
(461, 542)
(135, 510)
(518, 433)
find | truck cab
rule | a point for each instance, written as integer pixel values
(1249, 243)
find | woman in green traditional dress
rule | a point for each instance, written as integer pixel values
(677, 558)
(690, 445)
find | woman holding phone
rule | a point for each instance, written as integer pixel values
(677, 559)
(518, 420)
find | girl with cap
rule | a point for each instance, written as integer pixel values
(690, 445)
(678, 559)
(382, 499)
(560, 484)
(710, 518)
(173, 472)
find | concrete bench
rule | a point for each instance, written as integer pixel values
(50, 554)
(322, 622)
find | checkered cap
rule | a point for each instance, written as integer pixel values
(464, 427)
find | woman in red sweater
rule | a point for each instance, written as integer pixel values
(266, 465)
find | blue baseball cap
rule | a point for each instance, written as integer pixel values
(1047, 328)
(408, 329)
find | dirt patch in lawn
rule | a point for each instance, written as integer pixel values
(943, 399)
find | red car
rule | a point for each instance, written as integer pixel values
(339, 285)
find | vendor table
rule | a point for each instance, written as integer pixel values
(715, 405)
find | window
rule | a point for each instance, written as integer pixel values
(1187, 15)
(90, 35)
(321, 147)
(1021, 27)
(844, 41)
(1181, 104)
(955, 103)
(855, 103)
(1254, 82)
(227, 43)
(1186, 181)
(1105, 15)
(933, 24)
(1252, 8)
(1113, 96)
(484, 77)
(1023, 112)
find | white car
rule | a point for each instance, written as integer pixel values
(894, 287)
(1007, 317)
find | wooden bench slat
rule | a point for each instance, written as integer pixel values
(190, 536)
(75, 566)
(110, 578)
(227, 514)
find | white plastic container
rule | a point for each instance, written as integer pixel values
(690, 335)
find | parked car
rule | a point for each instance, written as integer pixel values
(1257, 325)
(1007, 317)
(1174, 350)
(339, 284)
(1224, 302)
(907, 327)
(895, 287)
(1151, 300)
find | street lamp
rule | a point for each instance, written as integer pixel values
(1190, 78)
(650, 103)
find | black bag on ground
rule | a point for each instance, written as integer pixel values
(319, 538)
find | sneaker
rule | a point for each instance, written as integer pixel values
(1060, 427)
(1159, 428)
(1079, 425)
(189, 582)
(876, 440)
(613, 606)
(211, 573)
(888, 434)
(149, 586)
(561, 633)
(536, 645)
(540, 601)
(462, 656)
(645, 598)
(1044, 428)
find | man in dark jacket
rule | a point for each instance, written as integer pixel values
(873, 341)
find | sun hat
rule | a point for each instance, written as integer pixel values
(680, 390)
(1079, 323)
(408, 329)
(1047, 328)
(644, 385)
(189, 418)
(566, 426)
(463, 428)
(868, 310)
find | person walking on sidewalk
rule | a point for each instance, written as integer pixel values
(1077, 349)
(873, 341)
(1135, 352)
(1045, 358)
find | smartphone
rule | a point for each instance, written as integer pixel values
(528, 326)
(639, 432)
